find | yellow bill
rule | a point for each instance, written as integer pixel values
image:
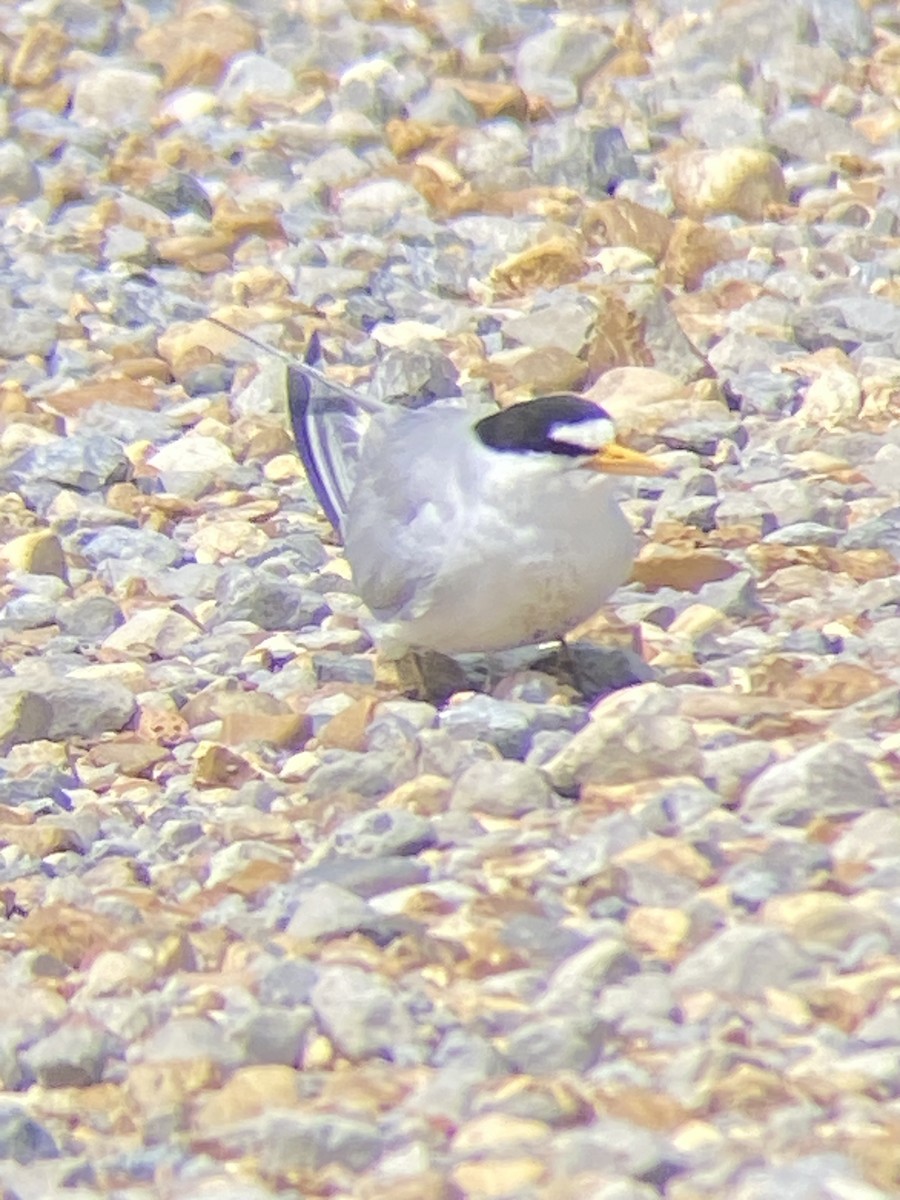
(615, 459)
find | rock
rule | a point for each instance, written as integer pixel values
(269, 602)
(743, 961)
(81, 461)
(85, 709)
(23, 331)
(311, 1143)
(116, 98)
(24, 717)
(253, 77)
(91, 618)
(552, 64)
(326, 910)
(19, 177)
(736, 179)
(74, 1055)
(28, 612)
(158, 631)
(830, 779)
(38, 553)
(23, 1139)
(501, 789)
(145, 545)
(632, 735)
(363, 1016)
(381, 832)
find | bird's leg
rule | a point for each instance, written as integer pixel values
(567, 664)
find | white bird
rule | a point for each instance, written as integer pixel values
(467, 534)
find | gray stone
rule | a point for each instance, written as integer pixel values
(367, 876)
(74, 1055)
(552, 1044)
(554, 63)
(19, 177)
(271, 603)
(90, 618)
(381, 832)
(632, 735)
(829, 779)
(254, 76)
(28, 612)
(80, 461)
(574, 986)
(587, 855)
(24, 331)
(153, 548)
(501, 789)
(25, 716)
(743, 961)
(617, 1147)
(274, 1036)
(184, 1039)
(115, 98)
(22, 1138)
(364, 1017)
(327, 910)
(310, 1143)
(86, 708)
(414, 376)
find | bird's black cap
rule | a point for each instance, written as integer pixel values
(527, 427)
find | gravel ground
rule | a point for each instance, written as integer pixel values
(272, 929)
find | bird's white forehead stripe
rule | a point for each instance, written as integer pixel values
(593, 435)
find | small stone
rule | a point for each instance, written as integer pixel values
(24, 331)
(38, 553)
(306, 1144)
(158, 631)
(243, 594)
(24, 717)
(501, 789)
(74, 1055)
(23, 1139)
(141, 544)
(363, 1016)
(554, 62)
(80, 461)
(381, 832)
(632, 735)
(829, 779)
(115, 98)
(327, 910)
(737, 179)
(253, 77)
(83, 708)
(91, 618)
(19, 177)
(743, 961)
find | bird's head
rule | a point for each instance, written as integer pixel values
(572, 430)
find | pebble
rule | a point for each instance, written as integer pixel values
(363, 1016)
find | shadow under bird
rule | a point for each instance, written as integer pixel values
(463, 533)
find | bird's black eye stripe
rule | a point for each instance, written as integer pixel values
(526, 427)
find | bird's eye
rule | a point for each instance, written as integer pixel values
(592, 434)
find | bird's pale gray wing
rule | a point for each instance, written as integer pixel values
(329, 422)
(401, 510)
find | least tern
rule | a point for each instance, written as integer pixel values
(468, 533)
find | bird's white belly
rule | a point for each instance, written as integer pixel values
(526, 588)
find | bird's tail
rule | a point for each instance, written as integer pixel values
(328, 423)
